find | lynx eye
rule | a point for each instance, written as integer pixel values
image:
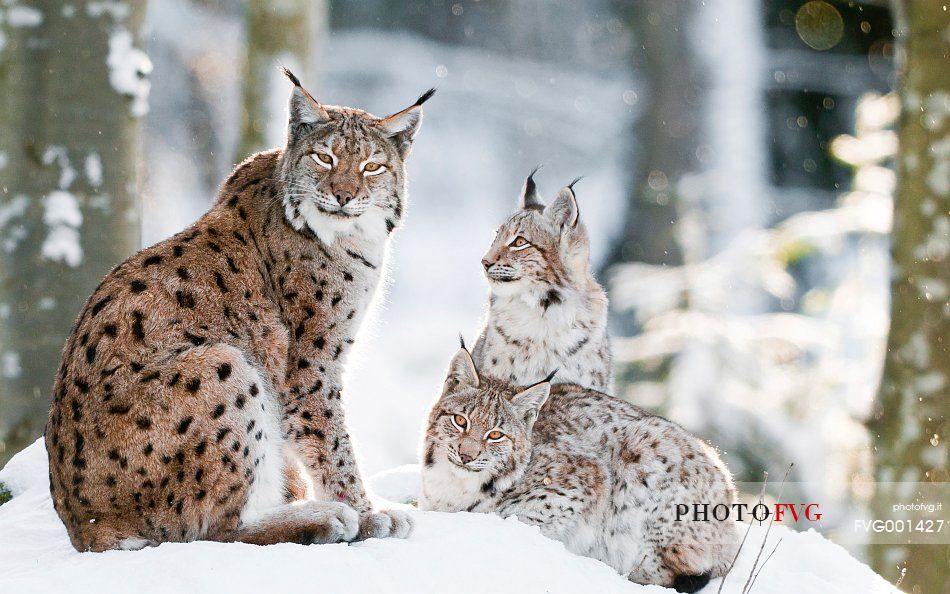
(373, 169)
(494, 435)
(460, 422)
(519, 243)
(322, 159)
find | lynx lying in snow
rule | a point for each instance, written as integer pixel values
(590, 470)
(546, 309)
(202, 380)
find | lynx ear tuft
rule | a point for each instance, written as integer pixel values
(403, 126)
(529, 193)
(462, 373)
(303, 108)
(293, 78)
(425, 96)
(462, 342)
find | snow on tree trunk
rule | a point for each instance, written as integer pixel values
(73, 86)
(909, 424)
(279, 33)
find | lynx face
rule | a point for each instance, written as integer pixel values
(344, 168)
(538, 249)
(481, 426)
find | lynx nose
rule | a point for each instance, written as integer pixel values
(343, 197)
(465, 458)
(487, 263)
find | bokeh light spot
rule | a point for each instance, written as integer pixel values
(819, 25)
(657, 180)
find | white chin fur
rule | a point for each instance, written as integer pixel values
(328, 227)
(446, 487)
(509, 288)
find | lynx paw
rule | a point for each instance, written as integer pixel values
(331, 522)
(389, 523)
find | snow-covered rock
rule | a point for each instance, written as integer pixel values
(448, 552)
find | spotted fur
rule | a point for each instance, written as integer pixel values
(200, 388)
(546, 310)
(590, 470)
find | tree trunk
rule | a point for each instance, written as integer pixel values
(909, 425)
(72, 88)
(666, 130)
(279, 33)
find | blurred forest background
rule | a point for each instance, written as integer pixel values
(766, 183)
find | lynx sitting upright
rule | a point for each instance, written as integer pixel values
(546, 309)
(202, 381)
(599, 474)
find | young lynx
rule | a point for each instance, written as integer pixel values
(200, 386)
(546, 310)
(597, 473)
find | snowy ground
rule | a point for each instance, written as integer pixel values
(448, 552)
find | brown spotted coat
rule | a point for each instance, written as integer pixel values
(206, 370)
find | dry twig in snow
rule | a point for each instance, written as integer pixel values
(752, 573)
(765, 481)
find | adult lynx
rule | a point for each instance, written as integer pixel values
(202, 381)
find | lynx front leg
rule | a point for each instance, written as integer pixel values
(559, 494)
(316, 423)
(552, 509)
(322, 315)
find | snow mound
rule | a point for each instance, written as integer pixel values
(448, 552)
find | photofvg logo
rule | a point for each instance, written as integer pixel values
(743, 512)
(867, 513)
